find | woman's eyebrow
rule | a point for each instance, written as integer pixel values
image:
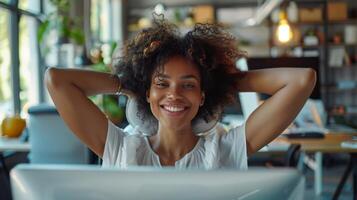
(189, 77)
(165, 76)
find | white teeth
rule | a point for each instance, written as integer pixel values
(174, 108)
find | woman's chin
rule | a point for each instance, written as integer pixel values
(176, 125)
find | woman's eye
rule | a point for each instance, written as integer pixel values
(161, 84)
(188, 86)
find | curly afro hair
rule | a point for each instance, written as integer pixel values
(212, 49)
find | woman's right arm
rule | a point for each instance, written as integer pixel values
(69, 89)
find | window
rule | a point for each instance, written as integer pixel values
(30, 5)
(95, 19)
(29, 93)
(5, 78)
(100, 16)
(19, 64)
(106, 21)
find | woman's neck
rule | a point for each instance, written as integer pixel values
(171, 145)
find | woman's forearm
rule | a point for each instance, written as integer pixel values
(69, 89)
(269, 81)
(89, 82)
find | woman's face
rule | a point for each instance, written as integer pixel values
(175, 93)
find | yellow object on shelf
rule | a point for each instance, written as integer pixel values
(12, 126)
(310, 14)
(337, 11)
(203, 14)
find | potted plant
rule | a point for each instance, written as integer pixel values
(67, 29)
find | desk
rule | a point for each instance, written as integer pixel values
(11, 144)
(330, 144)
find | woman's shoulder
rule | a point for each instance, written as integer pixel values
(222, 130)
(123, 135)
(122, 146)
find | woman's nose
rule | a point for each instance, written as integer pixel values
(173, 93)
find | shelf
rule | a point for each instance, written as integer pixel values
(297, 45)
(342, 45)
(334, 88)
(344, 114)
(343, 22)
(331, 45)
(344, 67)
(302, 24)
(254, 45)
(325, 29)
(315, 46)
(321, 23)
(338, 90)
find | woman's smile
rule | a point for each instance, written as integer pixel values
(174, 110)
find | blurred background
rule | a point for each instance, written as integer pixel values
(37, 34)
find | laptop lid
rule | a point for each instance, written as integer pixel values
(58, 182)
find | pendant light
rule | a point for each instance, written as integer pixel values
(284, 32)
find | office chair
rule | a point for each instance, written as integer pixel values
(51, 140)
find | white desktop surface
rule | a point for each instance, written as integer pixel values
(45, 182)
(13, 144)
(275, 147)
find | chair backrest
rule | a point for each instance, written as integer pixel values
(51, 140)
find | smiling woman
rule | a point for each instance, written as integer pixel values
(176, 80)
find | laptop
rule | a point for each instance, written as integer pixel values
(313, 117)
(84, 182)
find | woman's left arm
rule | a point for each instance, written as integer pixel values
(289, 87)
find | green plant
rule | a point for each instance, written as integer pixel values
(59, 20)
(112, 109)
(108, 103)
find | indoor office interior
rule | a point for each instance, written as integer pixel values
(320, 145)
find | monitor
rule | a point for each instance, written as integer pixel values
(238, 112)
(84, 182)
(249, 101)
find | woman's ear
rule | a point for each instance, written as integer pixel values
(148, 96)
(202, 99)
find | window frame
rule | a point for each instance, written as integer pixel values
(15, 13)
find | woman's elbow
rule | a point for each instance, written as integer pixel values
(52, 79)
(308, 78)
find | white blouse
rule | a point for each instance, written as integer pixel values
(217, 149)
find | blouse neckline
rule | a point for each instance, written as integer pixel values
(177, 161)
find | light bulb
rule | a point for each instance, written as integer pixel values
(284, 32)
